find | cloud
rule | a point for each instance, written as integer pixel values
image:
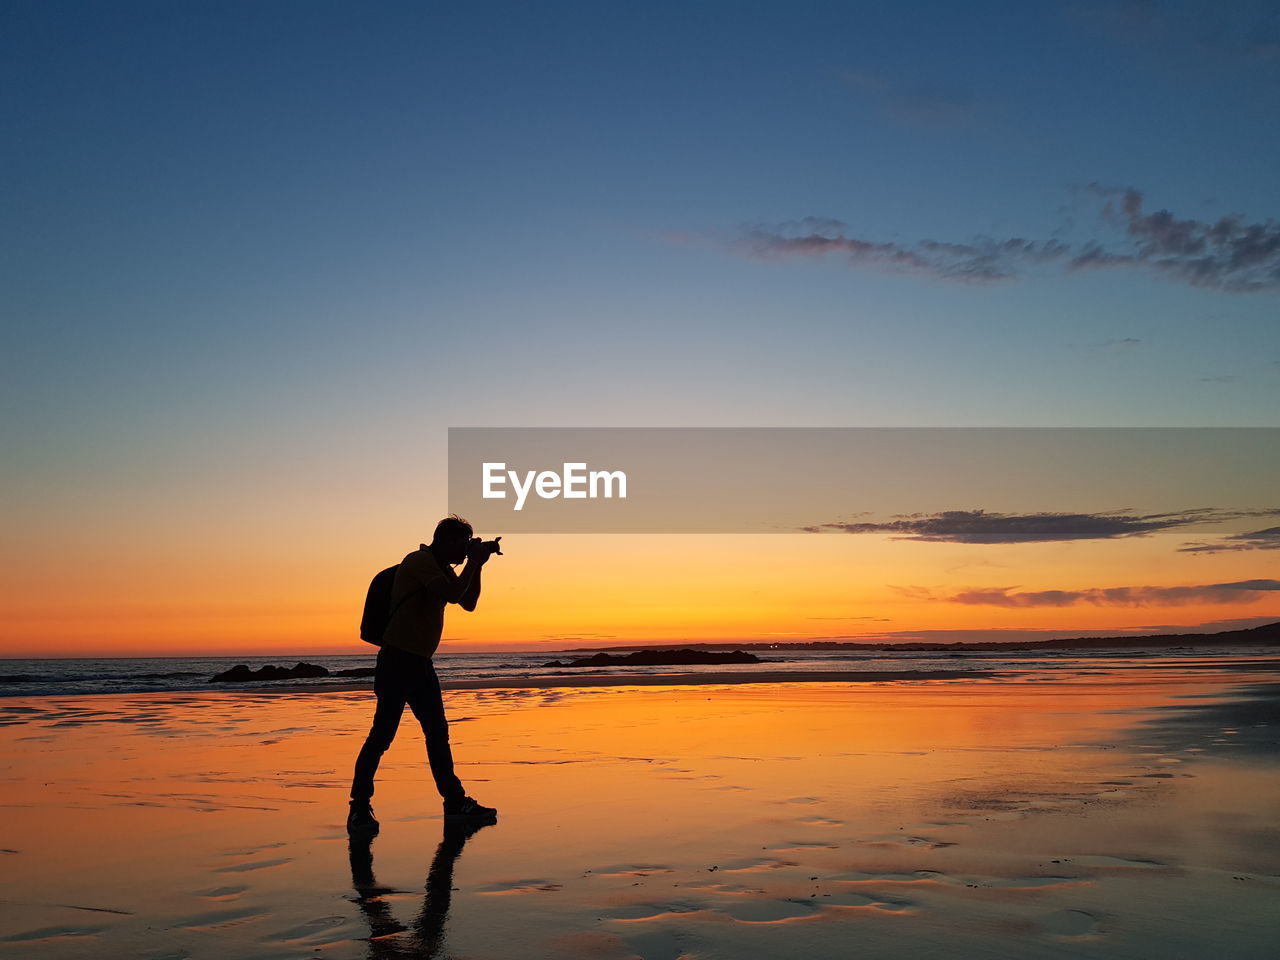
(873, 619)
(922, 107)
(1244, 591)
(981, 526)
(1228, 253)
(932, 109)
(981, 260)
(1268, 539)
(1188, 38)
(1231, 253)
(913, 592)
(1116, 347)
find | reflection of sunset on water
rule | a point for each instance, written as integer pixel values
(1029, 808)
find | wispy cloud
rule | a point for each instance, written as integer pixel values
(1244, 591)
(981, 526)
(934, 108)
(981, 260)
(872, 619)
(1230, 253)
(1268, 539)
(1188, 38)
(913, 592)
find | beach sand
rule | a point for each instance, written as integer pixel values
(1116, 814)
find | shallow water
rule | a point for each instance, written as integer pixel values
(72, 676)
(1128, 814)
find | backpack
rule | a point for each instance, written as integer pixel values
(377, 606)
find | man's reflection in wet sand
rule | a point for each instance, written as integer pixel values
(424, 937)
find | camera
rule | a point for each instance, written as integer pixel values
(490, 547)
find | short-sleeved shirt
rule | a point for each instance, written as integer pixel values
(417, 603)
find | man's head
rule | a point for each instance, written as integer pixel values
(449, 543)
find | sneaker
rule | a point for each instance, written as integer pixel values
(468, 810)
(360, 820)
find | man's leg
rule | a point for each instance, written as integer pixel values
(427, 704)
(388, 686)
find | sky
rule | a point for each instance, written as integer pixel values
(257, 258)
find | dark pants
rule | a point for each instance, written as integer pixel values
(405, 678)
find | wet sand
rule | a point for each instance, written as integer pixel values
(1041, 814)
(585, 678)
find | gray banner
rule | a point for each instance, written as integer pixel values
(971, 485)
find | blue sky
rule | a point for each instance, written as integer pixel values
(286, 243)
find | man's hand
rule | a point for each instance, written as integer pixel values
(479, 551)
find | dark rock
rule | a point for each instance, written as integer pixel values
(658, 658)
(356, 672)
(241, 673)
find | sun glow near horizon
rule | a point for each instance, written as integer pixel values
(554, 591)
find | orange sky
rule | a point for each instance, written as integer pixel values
(303, 594)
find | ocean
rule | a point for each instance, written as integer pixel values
(61, 677)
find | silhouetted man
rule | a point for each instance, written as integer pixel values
(424, 584)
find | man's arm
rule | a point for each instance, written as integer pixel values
(471, 591)
(463, 589)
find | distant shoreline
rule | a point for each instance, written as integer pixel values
(1267, 635)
